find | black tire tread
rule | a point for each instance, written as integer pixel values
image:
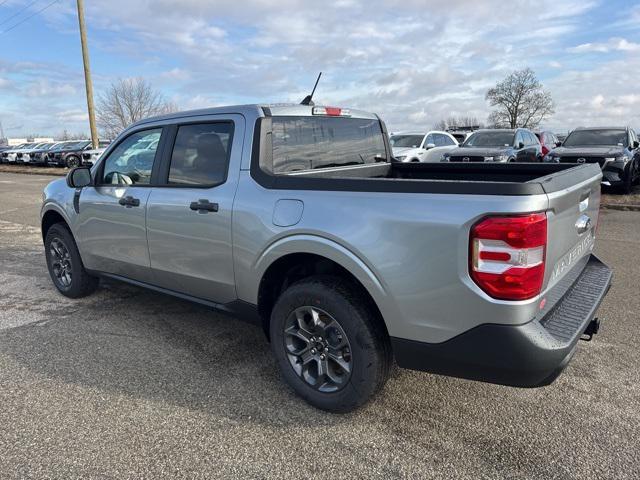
(383, 358)
(83, 284)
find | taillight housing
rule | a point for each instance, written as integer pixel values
(507, 255)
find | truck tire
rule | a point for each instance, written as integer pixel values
(65, 265)
(329, 343)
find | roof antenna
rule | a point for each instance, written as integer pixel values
(307, 100)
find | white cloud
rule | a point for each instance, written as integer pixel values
(612, 45)
(412, 61)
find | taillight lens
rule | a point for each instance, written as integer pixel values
(507, 255)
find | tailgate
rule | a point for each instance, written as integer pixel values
(574, 203)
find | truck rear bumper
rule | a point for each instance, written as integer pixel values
(529, 355)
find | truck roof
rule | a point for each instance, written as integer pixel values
(256, 110)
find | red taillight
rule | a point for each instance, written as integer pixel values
(507, 255)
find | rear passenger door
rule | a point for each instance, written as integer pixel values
(189, 213)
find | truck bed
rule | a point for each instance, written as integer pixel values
(458, 178)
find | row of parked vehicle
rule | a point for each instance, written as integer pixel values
(70, 153)
(615, 149)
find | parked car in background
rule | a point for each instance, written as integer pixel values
(615, 149)
(89, 157)
(24, 155)
(69, 154)
(10, 155)
(481, 273)
(421, 147)
(39, 156)
(499, 145)
(461, 133)
(548, 140)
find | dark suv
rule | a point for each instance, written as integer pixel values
(499, 145)
(615, 149)
(69, 154)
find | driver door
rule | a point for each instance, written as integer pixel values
(112, 212)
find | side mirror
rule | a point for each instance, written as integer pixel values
(636, 144)
(520, 145)
(429, 145)
(558, 143)
(79, 177)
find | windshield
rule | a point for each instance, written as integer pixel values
(490, 139)
(306, 143)
(410, 141)
(76, 145)
(585, 138)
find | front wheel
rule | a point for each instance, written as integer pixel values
(73, 161)
(65, 265)
(627, 182)
(329, 343)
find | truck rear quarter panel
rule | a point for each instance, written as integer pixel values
(409, 250)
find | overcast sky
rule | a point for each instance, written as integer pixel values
(413, 62)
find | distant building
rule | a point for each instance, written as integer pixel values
(12, 142)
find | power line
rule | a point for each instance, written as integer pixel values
(18, 12)
(30, 16)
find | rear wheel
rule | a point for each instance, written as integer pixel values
(65, 265)
(329, 343)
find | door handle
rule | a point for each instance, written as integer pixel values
(203, 206)
(129, 202)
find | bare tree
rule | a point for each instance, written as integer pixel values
(126, 101)
(520, 100)
(457, 121)
(66, 135)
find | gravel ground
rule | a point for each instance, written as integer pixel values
(133, 384)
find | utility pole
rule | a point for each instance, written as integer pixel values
(87, 75)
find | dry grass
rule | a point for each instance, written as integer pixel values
(33, 170)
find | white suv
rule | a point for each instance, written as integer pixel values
(421, 147)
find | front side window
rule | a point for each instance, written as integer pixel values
(131, 161)
(201, 154)
(443, 140)
(309, 143)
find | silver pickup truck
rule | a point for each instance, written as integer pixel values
(298, 218)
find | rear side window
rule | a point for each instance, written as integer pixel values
(131, 161)
(308, 143)
(200, 154)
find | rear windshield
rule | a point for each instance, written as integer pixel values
(581, 138)
(308, 143)
(490, 139)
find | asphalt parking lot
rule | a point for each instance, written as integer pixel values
(132, 384)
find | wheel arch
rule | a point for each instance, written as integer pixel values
(50, 217)
(292, 259)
